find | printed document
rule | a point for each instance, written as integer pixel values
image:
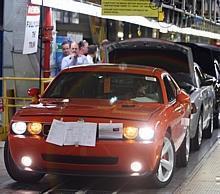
(72, 133)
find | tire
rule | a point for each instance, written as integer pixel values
(16, 173)
(197, 140)
(182, 156)
(216, 120)
(164, 172)
(207, 133)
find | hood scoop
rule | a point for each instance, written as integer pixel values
(127, 105)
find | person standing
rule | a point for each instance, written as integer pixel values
(91, 56)
(102, 50)
(83, 47)
(65, 52)
(74, 58)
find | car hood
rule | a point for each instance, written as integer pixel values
(172, 57)
(96, 109)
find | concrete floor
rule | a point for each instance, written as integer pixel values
(202, 176)
(206, 176)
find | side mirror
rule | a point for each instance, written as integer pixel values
(208, 81)
(34, 93)
(182, 96)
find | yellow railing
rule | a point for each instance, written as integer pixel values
(12, 98)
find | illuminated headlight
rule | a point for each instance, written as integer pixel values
(146, 133)
(19, 127)
(130, 132)
(34, 128)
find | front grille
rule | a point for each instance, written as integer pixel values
(79, 159)
(46, 129)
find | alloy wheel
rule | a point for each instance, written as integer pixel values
(187, 144)
(166, 165)
(200, 130)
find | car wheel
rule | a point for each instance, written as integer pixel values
(209, 130)
(164, 172)
(197, 140)
(182, 157)
(17, 174)
(216, 120)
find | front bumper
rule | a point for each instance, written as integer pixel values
(107, 158)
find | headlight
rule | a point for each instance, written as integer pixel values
(130, 132)
(19, 127)
(34, 128)
(146, 133)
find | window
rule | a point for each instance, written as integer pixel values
(217, 69)
(199, 76)
(171, 88)
(67, 17)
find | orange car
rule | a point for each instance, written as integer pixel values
(105, 120)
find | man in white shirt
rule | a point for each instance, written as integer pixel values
(83, 47)
(91, 56)
(74, 58)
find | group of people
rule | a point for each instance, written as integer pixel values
(78, 53)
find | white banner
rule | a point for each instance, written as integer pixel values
(31, 29)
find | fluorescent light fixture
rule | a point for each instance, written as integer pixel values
(194, 32)
(95, 10)
(120, 34)
(164, 30)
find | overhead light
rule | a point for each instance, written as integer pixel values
(163, 30)
(120, 34)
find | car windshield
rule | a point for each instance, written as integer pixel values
(103, 85)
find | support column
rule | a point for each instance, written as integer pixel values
(210, 10)
(202, 7)
(1, 42)
(194, 6)
(183, 5)
(47, 38)
(215, 11)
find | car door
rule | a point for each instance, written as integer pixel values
(178, 110)
(207, 95)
